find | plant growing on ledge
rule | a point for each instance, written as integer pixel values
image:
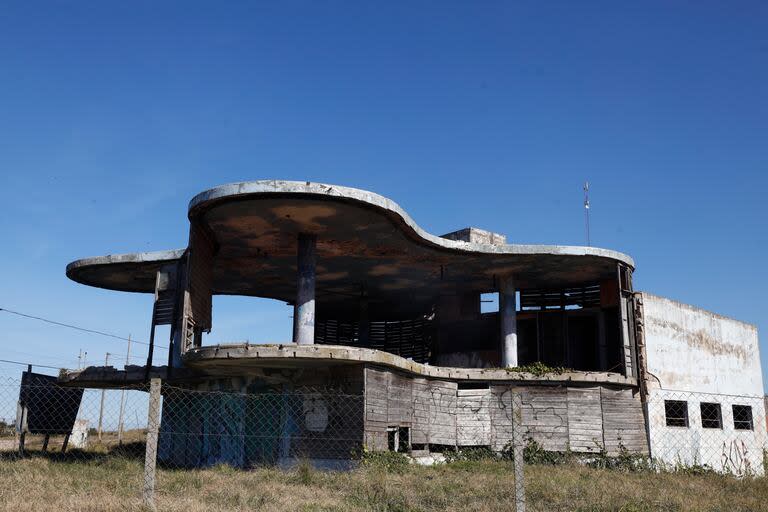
(538, 369)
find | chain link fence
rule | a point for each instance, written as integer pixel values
(39, 416)
(169, 428)
(717, 432)
(258, 428)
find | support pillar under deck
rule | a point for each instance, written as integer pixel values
(304, 312)
(508, 314)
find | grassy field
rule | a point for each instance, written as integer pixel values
(113, 483)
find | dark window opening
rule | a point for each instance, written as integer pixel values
(404, 439)
(527, 341)
(742, 417)
(552, 339)
(473, 385)
(583, 341)
(614, 356)
(676, 412)
(625, 279)
(711, 416)
(399, 439)
(441, 448)
(419, 447)
(578, 327)
(586, 340)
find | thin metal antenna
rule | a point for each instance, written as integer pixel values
(586, 211)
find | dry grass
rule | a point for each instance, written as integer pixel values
(112, 483)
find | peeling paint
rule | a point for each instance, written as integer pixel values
(690, 349)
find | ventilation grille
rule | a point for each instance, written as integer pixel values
(580, 297)
(411, 339)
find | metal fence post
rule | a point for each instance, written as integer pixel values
(517, 450)
(150, 456)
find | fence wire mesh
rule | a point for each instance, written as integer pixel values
(39, 416)
(255, 427)
(195, 428)
(723, 433)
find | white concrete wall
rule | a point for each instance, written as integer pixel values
(725, 449)
(697, 356)
(689, 349)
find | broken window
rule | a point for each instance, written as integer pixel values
(392, 439)
(676, 412)
(711, 416)
(399, 439)
(742, 417)
(404, 439)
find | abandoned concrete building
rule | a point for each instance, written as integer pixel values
(388, 312)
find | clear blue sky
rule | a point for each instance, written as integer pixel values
(492, 114)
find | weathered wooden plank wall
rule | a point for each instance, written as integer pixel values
(500, 409)
(400, 400)
(422, 400)
(585, 420)
(473, 417)
(558, 417)
(376, 410)
(623, 422)
(442, 413)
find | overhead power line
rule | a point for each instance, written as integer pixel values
(76, 327)
(30, 364)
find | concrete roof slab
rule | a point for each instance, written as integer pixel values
(365, 241)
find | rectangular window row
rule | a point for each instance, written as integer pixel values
(676, 412)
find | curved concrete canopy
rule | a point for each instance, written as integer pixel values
(237, 357)
(365, 242)
(123, 272)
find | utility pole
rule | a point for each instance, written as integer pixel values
(103, 391)
(586, 211)
(122, 397)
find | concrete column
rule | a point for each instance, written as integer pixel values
(508, 314)
(304, 314)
